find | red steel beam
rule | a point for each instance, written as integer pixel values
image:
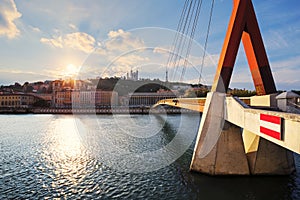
(243, 26)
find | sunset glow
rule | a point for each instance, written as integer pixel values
(71, 70)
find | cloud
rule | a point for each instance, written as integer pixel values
(292, 62)
(124, 50)
(276, 40)
(73, 27)
(287, 79)
(21, 76)
(195, 61)
(81, 41)
(8, 14)
(56, 42)
(118, 33)
(122, 41)
(125, 63)
(78, 40)
(285, 74)
(35, 29)
(120, 52)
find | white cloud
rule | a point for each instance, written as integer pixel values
(276, 40)
(195, 61)
(73, 27)
(120, 52)
(35, 29)
(124, 50)
(81, 41)
(8, 15)
(122, 41)
(161, 50)
(56, 42)
(21, 76)
(78, 40)
(285, 74)
(118, 33)
(287, 63)
(126, 62)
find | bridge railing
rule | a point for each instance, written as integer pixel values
(246, 117)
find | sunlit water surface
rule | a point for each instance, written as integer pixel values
(45, 156)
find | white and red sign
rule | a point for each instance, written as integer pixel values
(271, 125)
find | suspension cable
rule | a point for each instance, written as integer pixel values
(182, 39)
(189, 18)
(191, 39)
(171, 54)
(206, 40)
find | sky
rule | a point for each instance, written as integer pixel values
(47, 40)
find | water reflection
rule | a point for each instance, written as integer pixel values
(64, 155)
(136, 148)
(45, 158)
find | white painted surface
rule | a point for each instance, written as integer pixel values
(251, 122)
(269, 125)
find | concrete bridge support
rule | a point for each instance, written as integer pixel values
(223, 148)
(227, 157)
(270, 159)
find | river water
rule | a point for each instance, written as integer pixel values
(117, 156)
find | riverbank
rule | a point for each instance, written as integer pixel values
(115, 110)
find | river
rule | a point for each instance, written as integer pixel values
(117, 156)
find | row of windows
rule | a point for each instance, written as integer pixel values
(144, 100)
(10, 103)
(14, 97)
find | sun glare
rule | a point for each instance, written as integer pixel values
(71, 70)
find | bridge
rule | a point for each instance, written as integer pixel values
(236, 138)
(258, 139)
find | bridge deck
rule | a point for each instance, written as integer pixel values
(240, 114)
(195, 104)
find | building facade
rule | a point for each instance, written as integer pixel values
(106, 98)
(147, 98)
(89, 99)
(17, 100)
(63, 99)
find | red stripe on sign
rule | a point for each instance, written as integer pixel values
(270, 118)
(271, 133)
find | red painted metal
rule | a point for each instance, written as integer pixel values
(243, 26)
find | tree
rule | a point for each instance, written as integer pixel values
(29, 89)
(41, 103)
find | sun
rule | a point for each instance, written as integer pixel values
(71, 70)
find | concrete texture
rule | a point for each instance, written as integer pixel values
(220, 148)
(227, 157)
(271, 159)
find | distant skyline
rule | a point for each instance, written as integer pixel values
(42, 40)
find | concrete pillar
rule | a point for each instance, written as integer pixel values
(265, 157)
(223, 148)
(270, 159)
(226, 158)
(219, 147)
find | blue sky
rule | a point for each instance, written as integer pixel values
(42, 40)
